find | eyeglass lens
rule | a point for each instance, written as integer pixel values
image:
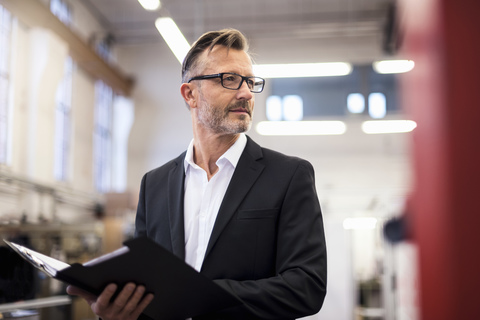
(234, 81)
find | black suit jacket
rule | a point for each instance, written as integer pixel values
(267, 246)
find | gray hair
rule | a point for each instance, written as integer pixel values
(230, 38)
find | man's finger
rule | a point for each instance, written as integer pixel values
(135, 299)
(123, 297)
(103, 300)
(142, 305)
(145, 302)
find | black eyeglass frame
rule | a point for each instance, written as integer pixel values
(220, 75)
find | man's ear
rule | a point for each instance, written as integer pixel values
(187, 93)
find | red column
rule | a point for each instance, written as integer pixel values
(442, 94)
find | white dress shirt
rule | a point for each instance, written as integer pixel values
(203, 199)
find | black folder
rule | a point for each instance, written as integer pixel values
(180, 291)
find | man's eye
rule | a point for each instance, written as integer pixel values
(229, 78)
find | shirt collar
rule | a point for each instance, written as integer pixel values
(232, 154)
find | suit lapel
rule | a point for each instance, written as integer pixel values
(175, 200)
(245, 175)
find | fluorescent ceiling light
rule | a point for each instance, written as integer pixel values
(299, 70)
(300, 128)
(150, 5)
(393, 66)
(360, 223)
(173, 37)
(388, 126)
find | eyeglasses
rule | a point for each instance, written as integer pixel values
(233, 81)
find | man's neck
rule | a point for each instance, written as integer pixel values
(207, 149)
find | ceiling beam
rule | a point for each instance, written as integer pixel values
(34, 13)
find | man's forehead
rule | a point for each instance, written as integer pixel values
(221, 54)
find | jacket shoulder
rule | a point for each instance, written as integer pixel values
(267, 155)
(166, 167)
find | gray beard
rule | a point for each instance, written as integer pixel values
(217, 120)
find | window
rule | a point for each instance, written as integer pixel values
(274, 108)
(355, 103)
(103, 136)
(123, 117)
(5, 44)
(289, 108)
(327, 96)
(61, 9)
(292, 108)
(103, 47)
(63, 101)
(377, 105)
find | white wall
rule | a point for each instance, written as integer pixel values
(162, 127)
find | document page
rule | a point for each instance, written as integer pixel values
(107, 256)
(49, 265)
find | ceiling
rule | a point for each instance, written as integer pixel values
(351, 29)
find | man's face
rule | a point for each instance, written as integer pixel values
(221, 110)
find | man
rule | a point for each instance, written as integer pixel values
(245, 216)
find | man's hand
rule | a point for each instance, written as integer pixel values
(128, 305)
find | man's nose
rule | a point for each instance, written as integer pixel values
(244, 92)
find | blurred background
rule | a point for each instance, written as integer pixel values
(90, 101)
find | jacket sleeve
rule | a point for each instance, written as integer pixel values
(298, 287)
(140, 218)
